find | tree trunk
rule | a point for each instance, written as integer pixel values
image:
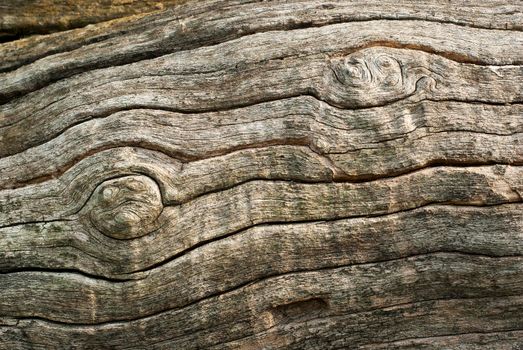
(262, 175)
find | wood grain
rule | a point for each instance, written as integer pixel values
(262, 175)
(19, 17)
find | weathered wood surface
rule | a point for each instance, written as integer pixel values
(265, 175)
(22, 17)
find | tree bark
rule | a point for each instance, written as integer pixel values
(263, 175)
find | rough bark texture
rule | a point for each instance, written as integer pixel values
(22, 17)
(263, 175)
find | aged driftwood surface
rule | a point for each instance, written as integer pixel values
(262, 175)
(22, 17)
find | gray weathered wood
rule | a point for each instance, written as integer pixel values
(264, 175)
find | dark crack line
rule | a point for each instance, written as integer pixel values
(366, 181)
(184, 158)
(163, 312)
(141, 24)
(150, 269)
(378, 309)
(77, 272)
(5, 98)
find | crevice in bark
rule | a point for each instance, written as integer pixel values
(185, 158)
(167, 202)
(163, 312)
(76, 272)
(144, 55)
(149, 269)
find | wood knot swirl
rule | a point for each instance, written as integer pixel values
(370, 70)
(376, 76)
(126, 207)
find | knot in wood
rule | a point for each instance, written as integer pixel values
(126, 207)
(370, 70)
(380, 75)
